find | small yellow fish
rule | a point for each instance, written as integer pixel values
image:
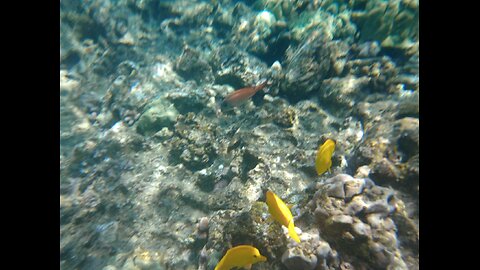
(324, 156)
(240, 256)
(281, 213)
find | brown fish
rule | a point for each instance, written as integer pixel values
(241, 95)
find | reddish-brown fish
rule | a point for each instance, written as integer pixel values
(239, 96)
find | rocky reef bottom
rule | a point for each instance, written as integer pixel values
(176, 189)
(158, 172)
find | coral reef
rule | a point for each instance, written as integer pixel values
(392, 23)
(358, 218)
(157, 172)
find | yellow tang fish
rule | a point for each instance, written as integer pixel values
(324, 156)
(240, 256)
(281, 213)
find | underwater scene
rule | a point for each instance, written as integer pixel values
(255, 134)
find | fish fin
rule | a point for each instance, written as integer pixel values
(248, 266)
(289, 206)
(261, 86)
(291, 231)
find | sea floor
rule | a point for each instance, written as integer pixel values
(158, 172)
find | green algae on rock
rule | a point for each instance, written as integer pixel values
(160, 114)
(392, 23)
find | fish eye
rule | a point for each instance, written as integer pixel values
(255, 256)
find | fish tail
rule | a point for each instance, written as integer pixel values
(291, 231)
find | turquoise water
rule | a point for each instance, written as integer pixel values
(163, 165)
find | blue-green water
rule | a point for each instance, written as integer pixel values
(163, 166)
